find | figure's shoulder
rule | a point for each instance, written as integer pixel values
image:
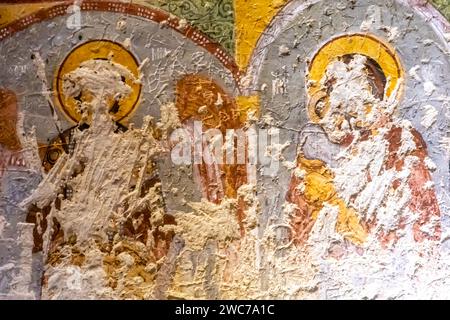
(314, 145)
(404, 130)
(408, 129)
(402, 137)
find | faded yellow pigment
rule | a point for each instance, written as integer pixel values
(12, 12)
(319, 189)
(251, 19)
(99, 49)
(246, 105)
(357, 44)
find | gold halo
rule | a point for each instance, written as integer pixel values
(362, 44)
(98, 49)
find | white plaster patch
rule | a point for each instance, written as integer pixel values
(429, 88)
(429, 116)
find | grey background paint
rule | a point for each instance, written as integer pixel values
(54, 42)
(309, 29)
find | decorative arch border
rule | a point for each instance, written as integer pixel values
(148, 13)
(293, 7)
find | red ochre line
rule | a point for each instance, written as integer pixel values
(29, 1)
(134, 9)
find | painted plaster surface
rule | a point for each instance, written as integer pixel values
(224, 150)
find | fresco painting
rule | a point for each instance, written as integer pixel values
(202, 149)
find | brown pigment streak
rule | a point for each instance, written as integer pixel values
(8, 120)
(193, 92)
(394, 137)
(167, 270)
(302, 221)
(423, 202)
(31, 1)
(161, 240)
(39, 218)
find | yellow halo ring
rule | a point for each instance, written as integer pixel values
(363, 44)
(98, 49)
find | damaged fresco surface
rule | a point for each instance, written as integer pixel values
(219, 149)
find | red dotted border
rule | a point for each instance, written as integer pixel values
(133, 9)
